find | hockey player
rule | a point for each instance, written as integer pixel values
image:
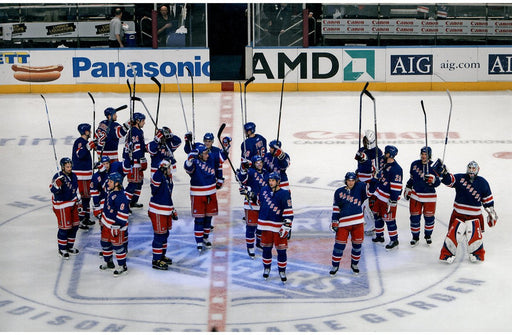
(108, 134)
(114, 219)
(162, 147)
(368, 157)
(161, 212)
(253, 179)
(348, 219)
(66, 206)
(467, 222)
(82, 168)
(421, 191)
(388, 189)
(275, 222)
(99, 186)
(254, 144)
(134, 162)
(276, 160)
(202, 170)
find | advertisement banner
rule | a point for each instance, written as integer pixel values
(102, 66)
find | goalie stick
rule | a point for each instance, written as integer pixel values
(361, 111)
(375, 128)
(51, 133)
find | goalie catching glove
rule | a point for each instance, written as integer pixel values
(286, 229)
(492, 217)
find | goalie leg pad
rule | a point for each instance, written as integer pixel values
(475, 241)
(456, 232)
(369, 220)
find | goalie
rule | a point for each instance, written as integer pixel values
(467, 222)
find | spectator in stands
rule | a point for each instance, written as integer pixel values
(164, 26)
(279, 17)
(115, 39)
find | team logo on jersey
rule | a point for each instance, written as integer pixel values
(358, 65)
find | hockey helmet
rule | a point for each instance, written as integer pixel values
(350, 176)
(64, 161)
(164, 164)
(256, 158)
(427, 150)
(109, 111)
(391, 150)
(104, 159)
(138, 117)
(472, 169)
(208, 137)
(276, 176)
(167, 132)
(250, 126)
(201, 148)
(275, 143)
(116, 177)
(83, 127)
(369, 139)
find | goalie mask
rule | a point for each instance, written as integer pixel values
(472, 170)
(369, 139)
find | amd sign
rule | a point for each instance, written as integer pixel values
(330, 64)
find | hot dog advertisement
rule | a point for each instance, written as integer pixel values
(37, 74)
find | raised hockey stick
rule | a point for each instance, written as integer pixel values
(158, 103)
(51, 133)
(244, 119)
(426, 136)
(181, 100)
(93, 124)
(448, 125)
(377, 168)
(146, 108)
(361, 111)
(193, 110)
(250, 80)
(281, 105)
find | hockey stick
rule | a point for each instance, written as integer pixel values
(375, 127)
(219, 134)
(146, 108)
(426, 138)
(93, 124)
(281, 105)
(181, 100)
(250, 80)
(158, 103)
(361, 111)
(448, 125)
(193, 110)
(51, 133)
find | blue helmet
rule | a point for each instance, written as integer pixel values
(350, 176)
(275, 175)
(109, 111)
(274, 143)
(427, 150)
(64, 161)
(391, 150)
(250, 126)
(104, 159)
(116, 177)
(208, 137)
(138, 117)
(256, 158)
(200, 148)
(83, 127)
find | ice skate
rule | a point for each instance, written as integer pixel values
(207, 243)
(107, 266)
(73, 251)
(160, 265)
(354, 268)
(378, 239)
(266, 273)
(392, 245)
(333, 270)
(167, 260)
(250, 252)
(414, 242)
(64, 254)
(120, 270)
(282, 275)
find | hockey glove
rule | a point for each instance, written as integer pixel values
(361, 157)
(334, 226)
(226, 142)
(188, 136)
(114, 230)
(191, 157)
(391, 205)
(286, 229)
(127, 125)
(57, 183)
(97, 212)
(174, 215)
(91, 145)
(429, 179)
(143, 164)
(439, 168)
(220, 182)
(407, 193)
(244, 190)
(159, 135)
(492, 217)
(80, 208)
(246, 164)
(278, 153)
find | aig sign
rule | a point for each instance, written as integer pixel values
(411, 65)
(500, 64)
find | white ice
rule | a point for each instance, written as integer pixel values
(403, 290)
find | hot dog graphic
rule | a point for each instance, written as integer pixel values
(37, 73)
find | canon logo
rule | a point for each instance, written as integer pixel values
(429, 23)
(380, 22)
(429, 30)
(454, 30)
(354, 29)
(400, 29)
(405, 23)
(355, 22)
(380, 29)
(454, 23)
(501, 24)
(479, 23)
(476, 30)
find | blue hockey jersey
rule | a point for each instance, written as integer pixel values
(469, 196)
(365, 169)
(67, 194)
(116, 210)
(389, 184)
(274, 164)
(161, 194)
(275, 207)
(109, 140)
(159, 151)
(346, 207)
(253, 146)
(421, 190)
(82, 160)
(256, 181)
(203, 176)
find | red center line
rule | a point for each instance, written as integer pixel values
(219, 270)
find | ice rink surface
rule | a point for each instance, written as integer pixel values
(403, 290)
